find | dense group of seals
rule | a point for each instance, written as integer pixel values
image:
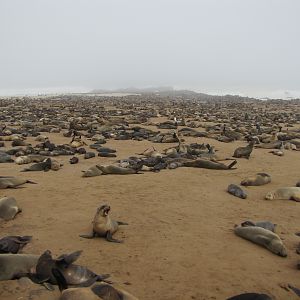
(258, 128)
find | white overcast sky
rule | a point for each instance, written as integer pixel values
(239, 46)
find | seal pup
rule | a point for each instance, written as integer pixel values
(264, 224)
(250, 296)
(74, 160)
(235, 190)
(41, 166)
(13, 244)
(22, 160)
(263, 237)
(244, 152)
(9, 208)
(259, 179)
(13, 182)
(74, 274)
(111, 169)
(103, 225)
(14, 266)
(92, 171)
(285, 193)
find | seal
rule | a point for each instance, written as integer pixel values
(74, 274)
(208, 164)
(5, 158)
(244, 152)
(264, 224)
(236, 191)
(103, 225)
(103, 290)
(259, 179)
(92, 171)
(41, 166)
(9, 208)
(263, 237)
(13, 182)
(74, 160)
(285, 193)
(111, 169)
(14, 266)
(250, 296)
(13, 244)
(106, 154)
(89, 155)
(21, 160)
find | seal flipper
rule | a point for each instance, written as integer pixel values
(68, 259)
(60, 278)
(122, 223)
(30, 181)
(109, 238)
(232, 164)
(88, 236)
(295, 290)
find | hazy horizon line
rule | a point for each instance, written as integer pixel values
(258, 94)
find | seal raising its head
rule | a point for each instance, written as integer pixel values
(103, 225)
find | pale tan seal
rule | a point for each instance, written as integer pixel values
(263, 237)
(21, 160)
(103, 225)
(92, 171)
(16, 265)
(285, 193)
(9, 208)
(259, 179)
(12, 182)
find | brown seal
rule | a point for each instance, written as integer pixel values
(103, 225)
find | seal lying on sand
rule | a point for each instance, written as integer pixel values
(8, 208)
(208, 164)
(12, 182)
(4, 158)
(235, 190)
(264, 224)
(14, 266)
(13, 244)
(259, 179)
(285, 193)
(103, 225)
(263, 237)
(41, 166)
(92, 171)
(73, 274)
(244, 152)
(111, 169)
(250, 296)
(104, 291)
